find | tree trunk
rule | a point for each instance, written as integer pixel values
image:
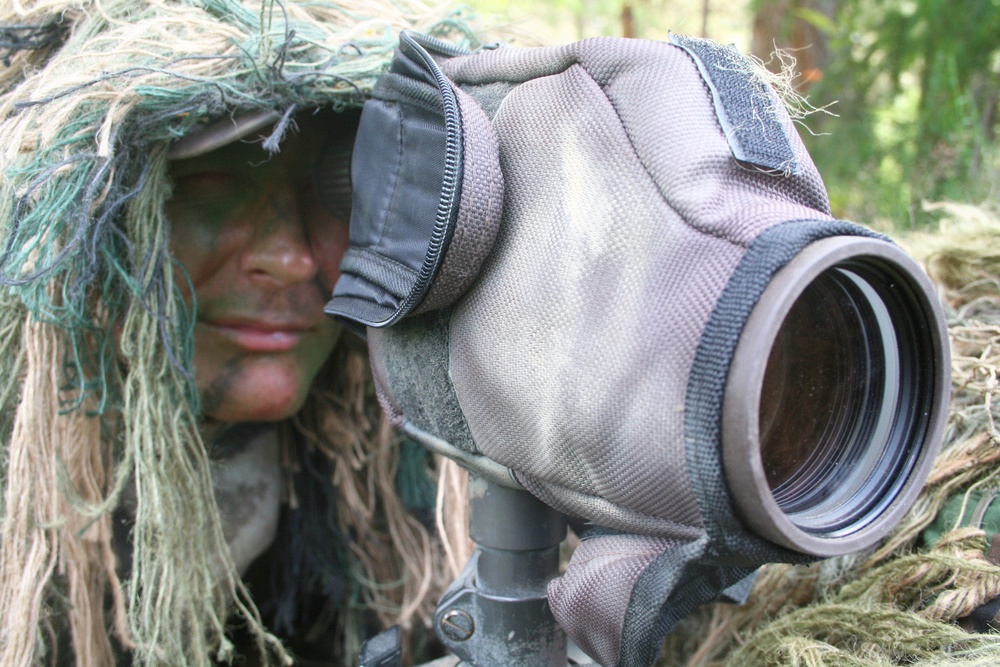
(628, 20)
(785, 25)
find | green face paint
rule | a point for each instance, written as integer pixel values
(262, 255)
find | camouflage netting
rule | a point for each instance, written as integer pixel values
(905, 602)
(94, 329)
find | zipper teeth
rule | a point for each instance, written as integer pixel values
(437, 44)
(446, 204)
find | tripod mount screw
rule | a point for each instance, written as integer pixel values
(458, 625)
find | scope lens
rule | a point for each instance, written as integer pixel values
(841, 388)
(836, 397)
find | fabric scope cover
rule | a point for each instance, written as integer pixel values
(641, 195)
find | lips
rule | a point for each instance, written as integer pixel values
(260, 334)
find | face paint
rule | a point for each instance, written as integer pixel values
(261, 254)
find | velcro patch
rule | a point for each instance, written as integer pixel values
(752, 116)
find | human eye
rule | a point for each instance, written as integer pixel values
(321, 213)
(206, 184)
(212, 192)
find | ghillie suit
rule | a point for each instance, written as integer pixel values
(913, 600)
(96, 352)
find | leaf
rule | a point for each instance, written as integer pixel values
(817, 19)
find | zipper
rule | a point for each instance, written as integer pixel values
(435, 44)
(450, 186)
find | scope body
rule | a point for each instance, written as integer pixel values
(607, 273)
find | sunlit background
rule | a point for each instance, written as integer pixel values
(908, 88)
(557, 21)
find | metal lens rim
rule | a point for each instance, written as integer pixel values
(852, 519)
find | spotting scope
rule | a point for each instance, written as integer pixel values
(606, 276)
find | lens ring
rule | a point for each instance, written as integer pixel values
(827, 415)
(855, 322)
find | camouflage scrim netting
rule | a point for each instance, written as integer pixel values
(98, 386)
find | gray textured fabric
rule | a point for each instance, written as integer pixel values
(627, 209)
(578, 295)
(599, 564)
(625, 216)
(578, 308)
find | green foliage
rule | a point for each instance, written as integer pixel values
(912, 86)
(916, 91)
(556, 21)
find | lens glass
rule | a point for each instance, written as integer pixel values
(829, 408)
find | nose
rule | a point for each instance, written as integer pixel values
(278, 252)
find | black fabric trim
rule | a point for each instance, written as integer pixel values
(673, 586)
(407, 175)
(765, 256)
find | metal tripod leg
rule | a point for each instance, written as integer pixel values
(497, 613)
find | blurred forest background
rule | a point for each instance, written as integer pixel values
(905, 91)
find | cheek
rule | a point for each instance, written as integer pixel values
(328, 260)
(236, 387)
(252, 390)
(198, 241)
(328, 238)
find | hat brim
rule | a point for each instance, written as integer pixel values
(207, 138)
